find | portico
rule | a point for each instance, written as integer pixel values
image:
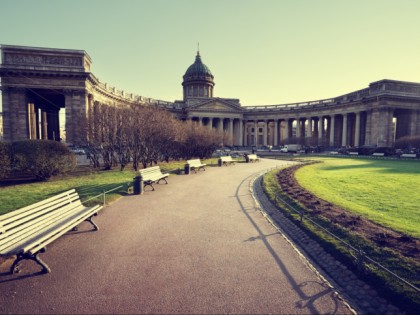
(41, 86)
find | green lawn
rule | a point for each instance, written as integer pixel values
(87, 185)
(385, 191)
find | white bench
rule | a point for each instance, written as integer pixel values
(253, 158)
(408, 155)
(225, 160)
(333, 152)
(196, 165)
(353, 153)
(378, 154)
(27, 231)
(152, 175)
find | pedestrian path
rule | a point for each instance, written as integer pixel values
(196, 245)
(364, 298)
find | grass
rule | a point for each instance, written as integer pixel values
(384, 191)
(402, 296)
(88, 184)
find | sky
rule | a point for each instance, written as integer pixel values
(263, 52)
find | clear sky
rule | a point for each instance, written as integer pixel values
(262, 52)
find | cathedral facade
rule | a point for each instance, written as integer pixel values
(37, 83)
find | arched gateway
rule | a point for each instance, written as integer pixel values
(40, 83)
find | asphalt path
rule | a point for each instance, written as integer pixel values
(196, 245)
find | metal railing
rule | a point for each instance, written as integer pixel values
(360, 257)
(103, 195)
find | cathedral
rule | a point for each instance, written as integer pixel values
(37, 83)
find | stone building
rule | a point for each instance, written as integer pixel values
(39, 83)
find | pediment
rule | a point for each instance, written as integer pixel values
(216, 106)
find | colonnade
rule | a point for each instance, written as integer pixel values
(377, 127)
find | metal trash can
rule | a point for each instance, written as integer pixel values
(187, 169)
(220, 162)
(137, 185)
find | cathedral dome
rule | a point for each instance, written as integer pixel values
(198, 80)
(197, 69)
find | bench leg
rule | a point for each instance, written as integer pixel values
(149, 184)
(164, 180)
(38, 260)
(90, 220)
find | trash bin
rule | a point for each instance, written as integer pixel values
(247, 158)
(137, 185)
(220, 162)
(187, 169)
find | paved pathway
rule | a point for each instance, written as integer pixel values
(196, 245)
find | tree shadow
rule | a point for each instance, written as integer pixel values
(306, 301)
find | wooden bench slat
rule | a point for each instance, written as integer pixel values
(26, 231)
(196, 164)
(15, 230)
(43, 234)
(67, 226)
(20, 236)
(35, 205)
(33, 213)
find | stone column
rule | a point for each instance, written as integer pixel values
(241, 129)
(76, 114)
(265, 132)
(286, 130)
(412, 127)
(320, 129)
(344, 134)
(15, 114)
(298, 128)
(220, 125)
(44, 125)
(230, 130)
(309, 127)
(276, 132)
(357, 130)
(246, 135)
(368, 131)
(255, 132)
(332, 131)
(32, 121)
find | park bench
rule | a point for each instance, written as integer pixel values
(196, 165)
(253, 158)
(226, 160)
(153, 175)
(408, 155)
(27, 231)
(378, 154)
(353, 153)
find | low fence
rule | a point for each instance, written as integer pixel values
(102, 196)
(361, 259)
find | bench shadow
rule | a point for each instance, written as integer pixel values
(13, 277)
(306, 301)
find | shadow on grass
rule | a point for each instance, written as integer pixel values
(382, 166)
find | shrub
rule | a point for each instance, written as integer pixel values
(42, 158)
(5, 166)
